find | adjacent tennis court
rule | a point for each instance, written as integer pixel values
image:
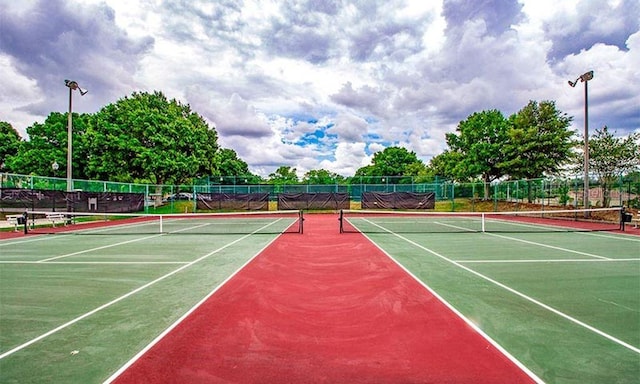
(264, 301)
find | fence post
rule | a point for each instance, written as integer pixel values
(453, 200)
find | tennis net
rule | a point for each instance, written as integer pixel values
(372, 221)
(91, 223)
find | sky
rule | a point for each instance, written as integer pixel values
(324, 84)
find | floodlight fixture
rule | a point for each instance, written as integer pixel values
(583, 78)
(73, 85)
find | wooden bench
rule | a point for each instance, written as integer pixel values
(56, 218)
(636, 220)
(13, 220)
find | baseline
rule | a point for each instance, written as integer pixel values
(542, 261)
(94, 262)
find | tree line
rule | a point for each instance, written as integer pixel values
(147, 138)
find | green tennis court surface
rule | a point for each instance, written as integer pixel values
(564, 302)
(76, 308)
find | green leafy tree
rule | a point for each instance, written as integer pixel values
(228, 163)
(366, 171)
(396, 163)
(283, 175)
(540, 142)
(230, 169)
(632, 186)
(611, 157)
(48, 144)
(480, 148)
(321, 176)
(147, 138)
(10, 141)
(444, 165)
(419, 173)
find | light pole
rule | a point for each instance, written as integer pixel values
(55, 168)
(584, 78)
(72, 85)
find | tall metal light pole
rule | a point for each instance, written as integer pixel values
(55, 168)
(72, 86)
(584, 78)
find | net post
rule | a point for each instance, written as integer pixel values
(340, 218)
(624, 217)
(483, 221)
(160, 223)
(25, 219)
(301, 218)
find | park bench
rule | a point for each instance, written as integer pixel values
(56, 218)
(13, 220)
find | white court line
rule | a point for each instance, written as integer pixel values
(116, 226)
(43, 236)
(543, 261)
(94, 262)
(518, 293)
(455, 227)
(107, 305)
(620, 236)
(97, 248)
(530, 242)
(549, 246)
(38, 237)
(552, 228)
(115, 244)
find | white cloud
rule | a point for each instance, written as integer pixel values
(348, 158)
(16, 92)
(239, 118)
(349, 128)
(272, 75)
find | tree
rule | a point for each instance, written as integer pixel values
(611, 157)
(321, 176)
(228, 164)
(540, 142)
(10, 141)
(444, 164)
(395, 163)
(48, 144)
(230, 169)
(147, 138)
(283, 175)
(480, 147)
(632, 183)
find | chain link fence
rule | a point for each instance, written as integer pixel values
(557, 192)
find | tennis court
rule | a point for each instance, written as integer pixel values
(263, 302)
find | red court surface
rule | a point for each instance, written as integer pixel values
(323, 308)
